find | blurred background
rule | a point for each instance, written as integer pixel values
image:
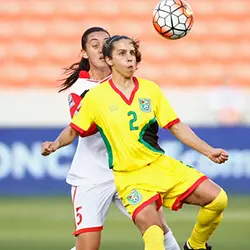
(206, 76)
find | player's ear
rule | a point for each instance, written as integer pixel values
(109, 61)
(84, 54)
(137, 66)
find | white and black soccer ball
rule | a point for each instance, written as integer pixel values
(173, 19)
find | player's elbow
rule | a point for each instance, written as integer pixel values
(175, 128)
(72, 133)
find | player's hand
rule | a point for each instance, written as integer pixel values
(49, 147)
(218, 155)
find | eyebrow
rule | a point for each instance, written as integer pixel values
(126, 50)
(93, 39)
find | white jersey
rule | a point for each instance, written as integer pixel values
(90, 162)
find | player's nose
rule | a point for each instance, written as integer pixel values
(129, 58)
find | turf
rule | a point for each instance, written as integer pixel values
(45, 223)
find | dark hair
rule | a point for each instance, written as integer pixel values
(73, 71)
(108, 47)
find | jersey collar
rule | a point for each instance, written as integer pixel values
(84, 74)
(131, 98)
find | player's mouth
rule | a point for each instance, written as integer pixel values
(101, 58)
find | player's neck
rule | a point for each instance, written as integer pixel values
(121, 82)
(97, 74)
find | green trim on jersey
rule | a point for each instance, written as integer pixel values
(186, 164)
(108, 146)
(146, 144)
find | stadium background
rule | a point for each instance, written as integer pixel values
(206, 77)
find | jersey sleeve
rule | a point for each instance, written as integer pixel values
(165, 114)
(73, 101)
(77, 92)
(83, 119)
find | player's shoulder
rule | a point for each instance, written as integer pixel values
(82, 84)
(102, 86)
(145, 83)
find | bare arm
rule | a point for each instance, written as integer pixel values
(182, 132)
(66, 137)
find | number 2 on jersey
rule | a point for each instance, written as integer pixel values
(133, 120)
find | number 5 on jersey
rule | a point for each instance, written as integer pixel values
(79, 215)
(133, 120)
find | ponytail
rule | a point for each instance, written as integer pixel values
(73, 72)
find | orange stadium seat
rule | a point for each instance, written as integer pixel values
(39, 38)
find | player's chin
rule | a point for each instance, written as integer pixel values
(101, 64)
(130, 72)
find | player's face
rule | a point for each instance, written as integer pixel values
(123, 58)
(94, 49)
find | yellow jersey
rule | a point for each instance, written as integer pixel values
(128, 127)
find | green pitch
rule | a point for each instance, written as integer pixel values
(47, 224)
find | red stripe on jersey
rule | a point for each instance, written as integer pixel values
(73, 202)
(76, 128)
(106, 78)
(86, 230)
(170, 124)
(74, 101)
(74, 196)
(156, 198)
(90, 80)
(91, 131)
(179, 201)
(132, 95)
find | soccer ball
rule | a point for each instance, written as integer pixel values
(173, 19)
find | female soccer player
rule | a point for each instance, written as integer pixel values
(127, 111)
(92, 182)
